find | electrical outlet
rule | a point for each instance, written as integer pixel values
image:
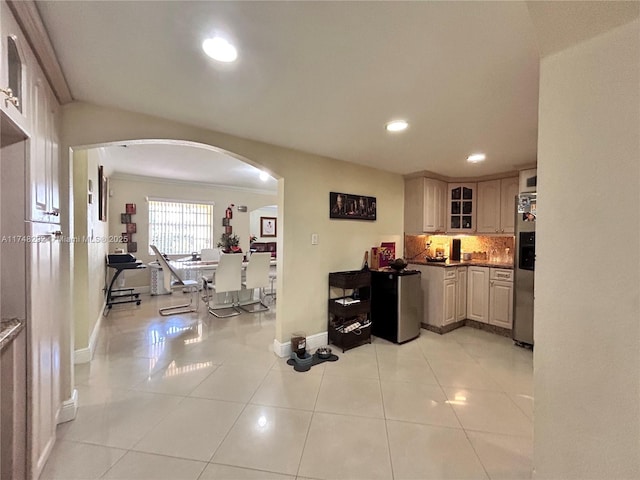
(314, 239)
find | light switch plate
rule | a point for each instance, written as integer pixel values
(314, 239)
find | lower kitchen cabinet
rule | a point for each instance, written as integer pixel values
(478, 294)
(501, 298)
(444, 290)
(454, 294)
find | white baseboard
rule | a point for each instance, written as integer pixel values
(85, 355)
(313, 342)
(69, 408)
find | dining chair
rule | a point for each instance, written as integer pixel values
(228, 281)
(257, 277)
(210, 255)
(172, 279)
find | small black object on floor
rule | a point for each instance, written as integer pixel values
(315, 360)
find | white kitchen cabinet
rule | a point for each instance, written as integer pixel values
(450, 304)
(509, 188)
(501, 298)
(44, 205)
(425, 206)
(442, 294)
(13, 70)
(461, 293)
(478, 294)
(461, 208)
(496, 205)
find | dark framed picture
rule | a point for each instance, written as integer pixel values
(268, 226)
(228, 229)
(131, 228)
(130, 208)
(132, 247)
(126, 238)
(103, 194)
(226, 222)
(355, 207)
(125, 218)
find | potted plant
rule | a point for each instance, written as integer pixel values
(230, 243)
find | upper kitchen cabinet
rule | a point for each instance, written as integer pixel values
(13, 70)
(44, 161)
(424, 205)
(461, 208)
(496, 205)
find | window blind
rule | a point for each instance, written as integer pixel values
(178, 228)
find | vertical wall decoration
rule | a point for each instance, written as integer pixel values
(130, 227)
(103, 194)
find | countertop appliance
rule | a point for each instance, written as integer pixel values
(524, 268)
(396, 305)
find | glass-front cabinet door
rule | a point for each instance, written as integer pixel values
(462, 210)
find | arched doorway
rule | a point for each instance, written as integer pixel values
(187, 173)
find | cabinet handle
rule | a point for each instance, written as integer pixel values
(57, 233)
(54, 213)
(10, 98)
(492, 282)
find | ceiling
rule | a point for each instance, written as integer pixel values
(322, 77)
(183, 163)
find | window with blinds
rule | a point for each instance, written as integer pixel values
(178, 228)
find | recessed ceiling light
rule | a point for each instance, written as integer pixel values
(219, 49)
(396, 126)
(264, 176)
(476, 157)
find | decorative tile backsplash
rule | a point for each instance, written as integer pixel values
(481, 247)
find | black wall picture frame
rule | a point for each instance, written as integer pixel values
(351, 206)
(103, 194)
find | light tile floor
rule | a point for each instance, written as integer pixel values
(195, 397)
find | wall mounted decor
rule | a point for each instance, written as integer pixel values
(130, 208)
(132, 247)
(125, 218)
(350, 206)
(102, 195)
(268, 226)
(131, 228)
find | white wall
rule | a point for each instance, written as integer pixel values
(305, 181)
(90, 248)
(587, 320)
(135, 190)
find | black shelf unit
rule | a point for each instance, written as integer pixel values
(349, 286)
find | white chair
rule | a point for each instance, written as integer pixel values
(257, 277)
(228, 281)
(210, 255)
(169, 284)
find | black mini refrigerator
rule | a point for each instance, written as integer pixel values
(396, 305)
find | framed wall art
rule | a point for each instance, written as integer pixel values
(351, 206)
(268, 226)
(103, 194)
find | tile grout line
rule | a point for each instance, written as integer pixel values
(384, 415)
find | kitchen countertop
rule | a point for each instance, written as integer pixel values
(9, 329)
(462, 263)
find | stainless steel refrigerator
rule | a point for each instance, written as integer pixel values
(524, 268)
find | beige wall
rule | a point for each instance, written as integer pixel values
(90, 247)
(135, 190)
(304, 186)
(587, 325)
